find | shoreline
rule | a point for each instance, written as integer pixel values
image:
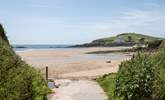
(75, 63)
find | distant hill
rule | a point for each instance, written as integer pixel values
(124, 39)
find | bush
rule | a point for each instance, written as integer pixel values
(160, 64)
(138, 79)
(154, 44)
(18, 81)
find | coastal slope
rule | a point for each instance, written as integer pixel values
(124, 39)
(18, 80)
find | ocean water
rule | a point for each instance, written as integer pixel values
(38, 47)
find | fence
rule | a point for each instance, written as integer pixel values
(44, 72)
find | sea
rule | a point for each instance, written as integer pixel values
(25, 47)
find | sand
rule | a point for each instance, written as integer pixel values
(78, 90)
(73, 62)
(73, 70)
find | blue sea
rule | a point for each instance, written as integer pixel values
(38, 47)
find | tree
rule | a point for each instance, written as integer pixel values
(142, 40)
(129, 38)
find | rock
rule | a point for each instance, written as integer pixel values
(108, 61)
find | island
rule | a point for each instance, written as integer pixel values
(124, 39)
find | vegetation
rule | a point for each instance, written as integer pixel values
(129, 39)
(18, 81)
(162, 44)
(141, 78)
(138, 79)
(107, 82)
(3, 35)
(154, 44)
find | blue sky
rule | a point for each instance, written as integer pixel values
(79, 21)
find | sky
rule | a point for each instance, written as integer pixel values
(79, 21)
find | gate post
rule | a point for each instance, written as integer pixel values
(46, 72)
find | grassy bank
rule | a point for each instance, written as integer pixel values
(141, 78)
(124, 39)
(18, 80)
(107, 82)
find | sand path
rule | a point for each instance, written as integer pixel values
(78, 90)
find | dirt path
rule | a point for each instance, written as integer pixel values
(78, 90)
(90, 74)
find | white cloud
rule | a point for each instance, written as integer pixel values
(72, 29)
(151, 22)
(59, 29)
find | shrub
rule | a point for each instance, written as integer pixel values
(18, 81)
(159, 59)
(138, 79)
(154, 44)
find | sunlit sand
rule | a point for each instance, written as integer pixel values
(74, 62)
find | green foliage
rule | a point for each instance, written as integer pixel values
(3, 35)
(159, 63)
(138, 79)
(130, 39)
(141, 78)
(142, 40)
(154, 44)
(107, 82)
(127, 37)
(18, 81)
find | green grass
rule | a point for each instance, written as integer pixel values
(107, 82)
(135, 37)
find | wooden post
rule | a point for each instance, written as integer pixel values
(46, 72)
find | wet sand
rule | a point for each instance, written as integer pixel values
(73, 62)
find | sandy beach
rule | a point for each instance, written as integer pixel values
(74, 62)
(72, 70)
